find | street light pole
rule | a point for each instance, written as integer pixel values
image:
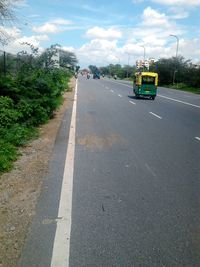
(177, 46)
(177, 43)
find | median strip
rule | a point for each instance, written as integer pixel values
(155, 115)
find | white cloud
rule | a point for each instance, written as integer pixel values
(137, 1)
(60, 21)
(99, 45)
(68, 48)
(153, 32)
(101, 33)
(47, 28)
(178, 2)
(153, 18)
(15, 43)
(190, 48)
(178, 13)
(98, 51)
(34, 39)
(55, 26)
(20, 3)
(12, 32)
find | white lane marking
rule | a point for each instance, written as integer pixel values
(60, 255)
(176, 100)
(106, 87)
(132, 102)
(169, 98)
(112, 91)
(150, 170)
(155, 115)
(198, 138)
(121, 84)
(119, 95)
(179, 101)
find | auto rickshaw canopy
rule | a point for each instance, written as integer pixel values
(142, 77)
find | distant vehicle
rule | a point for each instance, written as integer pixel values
(145, 84)
(115, 77)
(96, 76)
(88, 76)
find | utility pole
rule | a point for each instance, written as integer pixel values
(4, 57)
(177, 46)
(144, 57)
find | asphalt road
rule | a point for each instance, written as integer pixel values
(136, 181)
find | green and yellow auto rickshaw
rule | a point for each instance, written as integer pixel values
(145, 84)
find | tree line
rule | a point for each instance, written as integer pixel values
(31, 89)
(172, 71)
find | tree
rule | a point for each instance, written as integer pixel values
(186, 73)
(67, 59)
(93, 69)
(6, 16)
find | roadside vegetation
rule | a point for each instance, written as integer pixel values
(31, 89)
(176, 73)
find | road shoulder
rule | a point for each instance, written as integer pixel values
(21, 188)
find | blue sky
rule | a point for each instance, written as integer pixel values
(103, 32)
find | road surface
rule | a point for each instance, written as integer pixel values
(128, 192)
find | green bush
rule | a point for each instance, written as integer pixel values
(8, 154)
(28, 98)
(18, 135)
(8, 115)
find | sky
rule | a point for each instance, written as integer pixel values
(104, 32)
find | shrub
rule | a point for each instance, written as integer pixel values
(18, 135)
(8, 115)
(28, 98)
(8, 154)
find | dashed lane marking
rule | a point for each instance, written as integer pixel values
(119, 95)
(132, 102)
(198, 138)
(155, 115)
(166, 97)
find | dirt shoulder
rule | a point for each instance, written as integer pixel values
(20, 188)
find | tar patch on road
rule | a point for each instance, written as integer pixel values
(92, 141)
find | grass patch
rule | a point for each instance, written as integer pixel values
(8, 154)
(10, 140)
(18, 135)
